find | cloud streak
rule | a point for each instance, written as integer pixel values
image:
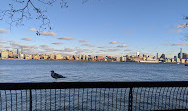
(176, 44)
(15, 44)
(27, 39)
(181, 44)
(122, 46)
(57, 43)
(46, 33)
(88, 45)
(82, 41)
(33, 30)
(2, 42)
(4, 31)
(67, 38)
(113, 42)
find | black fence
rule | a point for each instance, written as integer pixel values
(95, 96)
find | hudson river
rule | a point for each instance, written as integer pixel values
(39, 71)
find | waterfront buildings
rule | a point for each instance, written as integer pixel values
(58, 57)
(4, 54)
(16, 54)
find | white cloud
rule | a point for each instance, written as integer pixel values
(44, 46)
(182, 44)
(2, 41)
(82, 51)
(33, 29)
(2, 46)
(27, 39)
(122, 46)
(127, 50)
(15, 44)
(4, 31)
(46, 33)
(110, 50)
(66, 38)
(68, 50)
(176, 44)
(57, 43)
(82, 41)
(113, 50)
(113, 42)
(88, 45)
(182, 25)
(101, 47)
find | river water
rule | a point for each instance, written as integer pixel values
(92, 98)
(39, 71)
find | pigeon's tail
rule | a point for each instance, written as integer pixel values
(60, 76)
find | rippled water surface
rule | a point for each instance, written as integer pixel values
(39, 71)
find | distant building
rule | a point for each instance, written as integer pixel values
(99, 58)
(172, 60)
(177, 60)
(21, 56)
(36, 57)
(80, 57)
(123, 59)
(14, 52)
(137, 54)
(83, 57)
(75, 57)
(58, 57)
(180, 53)
(17, 51)
(10, 54)
(182, 61)
(163, 56)
(28, 57)
(185, 56)
(87, 58)
(4, 54)
(175, 57)
(157, 56)
(52, 56)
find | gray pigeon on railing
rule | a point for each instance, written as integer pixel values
(55, 75)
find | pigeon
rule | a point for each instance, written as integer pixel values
(55, 75)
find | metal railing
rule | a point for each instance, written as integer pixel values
(96, 96)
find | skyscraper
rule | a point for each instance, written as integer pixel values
(157, 56)
(180, 53)
(137, 54)
(17, 51)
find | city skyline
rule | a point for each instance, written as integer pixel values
(138, 57)
(104, 28)
(19, 54)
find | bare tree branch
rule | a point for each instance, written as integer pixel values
(18, 16)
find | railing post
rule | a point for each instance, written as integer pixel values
(130, 99)
(30, 100)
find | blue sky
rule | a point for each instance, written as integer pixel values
(106, 27)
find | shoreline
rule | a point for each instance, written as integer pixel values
(139, 62)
